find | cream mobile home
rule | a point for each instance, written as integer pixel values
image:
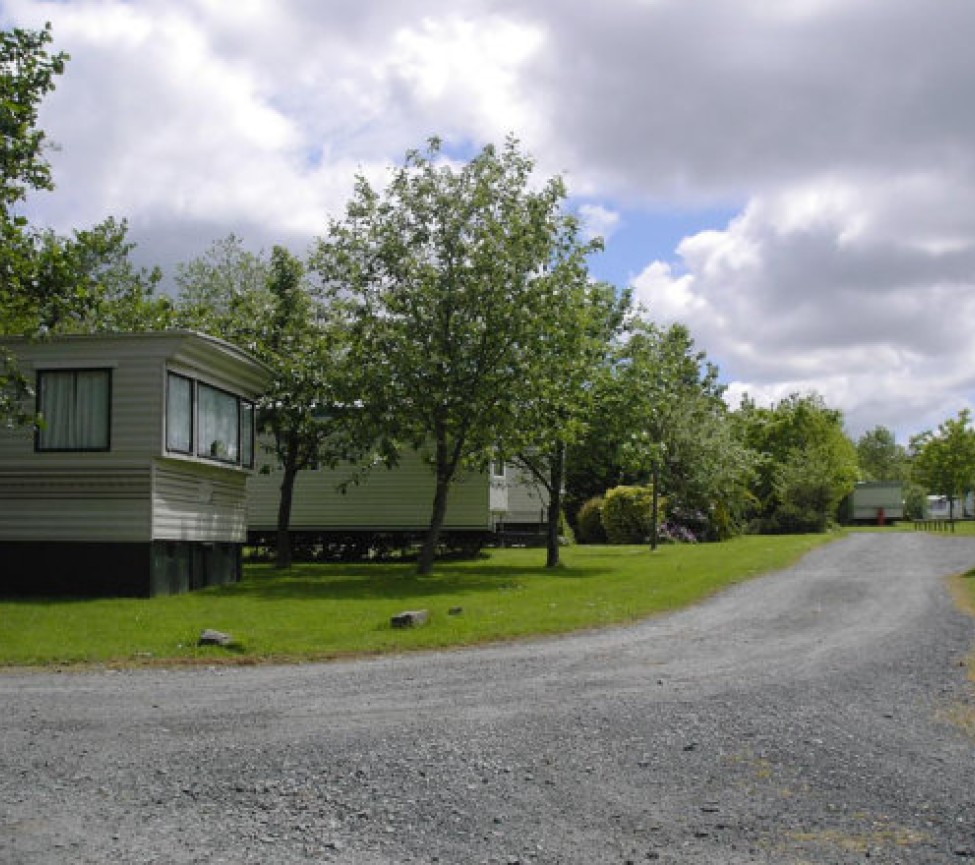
(877, 502)
(134, 482)
(392, 504)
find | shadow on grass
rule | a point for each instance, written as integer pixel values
(393, 582)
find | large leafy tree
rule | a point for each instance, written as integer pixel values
(445, 279)
(87, 283)
(309, 407)
(658, 416)
(806, 463)
(880, 457)
(227, 291)
(589, 316)
(944, 460)
(263, 304)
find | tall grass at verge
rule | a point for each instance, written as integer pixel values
(322, 611)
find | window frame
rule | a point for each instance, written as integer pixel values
(170, 375)
(233, 461)
(247, 409)
(39, 447)
(246, 433)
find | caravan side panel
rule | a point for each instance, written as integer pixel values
(75, 505)
(191, 502)
(527, 500)
(400, 498)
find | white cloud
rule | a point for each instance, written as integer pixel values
(825, 286)
(843, 127)
(598, 221)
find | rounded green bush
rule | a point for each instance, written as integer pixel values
(628, 514)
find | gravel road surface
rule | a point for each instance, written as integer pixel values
(804, 717)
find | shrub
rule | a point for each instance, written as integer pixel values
(589, 522)
(627, 515)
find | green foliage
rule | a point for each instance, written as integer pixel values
(455, 282)
(944, 461)
(86, 283)
(806, 464)
(805, 496)
(657, 407)
(226, 292)
(15, 393)
(265, 305)
(589, 522)
(50, 283)
(27, 73)
(880, 457)
(627, 514)
(915, 501)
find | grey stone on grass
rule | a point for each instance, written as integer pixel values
(410, 619)
(210, 637)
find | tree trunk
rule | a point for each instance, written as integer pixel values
(284, 556)
(446, 466)
(555, 505)
(428, 551)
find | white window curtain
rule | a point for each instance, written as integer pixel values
(179, 414)
(219, 425)
(75, 406)
(56, 406)
(92, 410)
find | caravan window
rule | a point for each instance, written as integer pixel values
(219, 418)
(76, 408)
(208, 422)
(179, 414)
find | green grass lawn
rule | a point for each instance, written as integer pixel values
(316, 611)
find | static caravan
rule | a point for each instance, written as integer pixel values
(394, 502)
(134, 483)
(519, 505)
(945, 508)
(877, 502)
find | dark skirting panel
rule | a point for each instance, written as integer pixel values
(100, 570)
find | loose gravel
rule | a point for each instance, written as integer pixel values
(803, 717)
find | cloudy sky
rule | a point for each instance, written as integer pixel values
(793, 179)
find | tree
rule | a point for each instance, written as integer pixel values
(805, 462)
(445, 282)
(227, 291)
(263, 304)
(659, 419)
(87, 283)
(307, 407)
(27, 73)
(944, 461)
(586, 317)
(880, 457)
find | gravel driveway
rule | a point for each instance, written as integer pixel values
(804, 717)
